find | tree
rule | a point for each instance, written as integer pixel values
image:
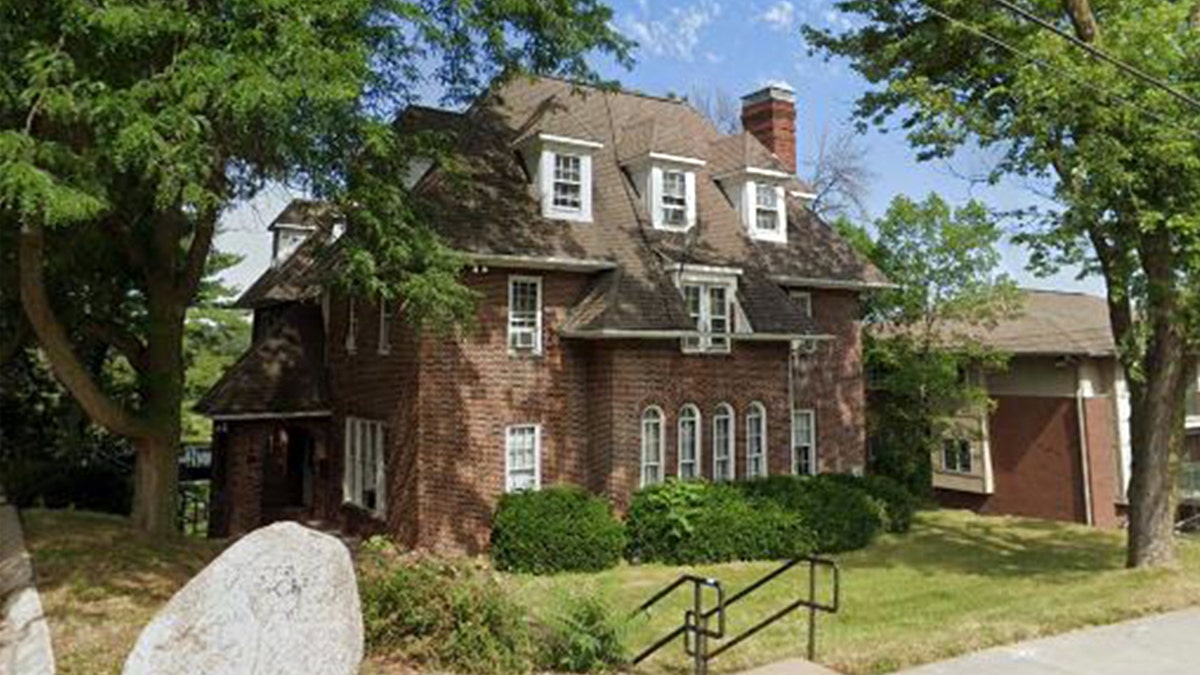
(127, 129)
(722, 109)
(1122, 159)
(922, 344)
(840, 176)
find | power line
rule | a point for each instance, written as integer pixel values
(1051, 67)
(1099, 54)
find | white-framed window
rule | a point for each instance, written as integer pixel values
(756, 441)
(522, 457)
(525, 314)
(710, 307)
(385, 326)
(351, 326)
(567, 188)
(364, 477)
(766, 207)
(723, 443)
(652, 445)
(673, 204)
(804, 442)
(689, 442)
(803, 300)
(956, 455)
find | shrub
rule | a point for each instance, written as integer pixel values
(558, 529)
(696, 522)
(58, 485)
(585, 638)
(449, 615)
(899, 504)
(843, 517)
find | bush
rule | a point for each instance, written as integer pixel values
(843, 517)
(899, 504)
(696, 522)
(58, 485)
(558, 529)
(448, 615)
(585, 638)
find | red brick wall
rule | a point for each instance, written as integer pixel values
(1102, 460)
(1191, 446)
(773, 123)
(1034, 443)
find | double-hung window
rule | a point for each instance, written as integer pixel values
(363, 476)
(804, 443)
(351, 326)
(756, 441)
(652, 446)
(525, 315)
(956, 455)
(522, 453)
(689, 442)
(766, 208)
(568, 182)
(674, 206)
(709, 307)
(722, 440)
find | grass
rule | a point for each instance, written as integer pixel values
(957, 583)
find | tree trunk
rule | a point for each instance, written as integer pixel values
(156, 484)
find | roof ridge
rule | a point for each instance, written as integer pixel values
(617, 89)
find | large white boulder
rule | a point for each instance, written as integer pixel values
(282, 600)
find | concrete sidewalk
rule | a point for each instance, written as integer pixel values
(24, 637)
(1166, 644)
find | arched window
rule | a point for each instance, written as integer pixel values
(756, 441)
(652, 445)
(689, 442)
(722, 440)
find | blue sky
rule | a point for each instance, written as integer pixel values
(738, 47)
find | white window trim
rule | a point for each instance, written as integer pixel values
(643, 463)
(697, 453)
(385, 327)
(726, 411)
(705, 344)
(804, 300)
(552, 147)
(970, 471)
(766, 468)
(750, 211)
(536, 349)
(811, 414)
(537, 455)
(352, 450)
(351, 326)
(655, 196)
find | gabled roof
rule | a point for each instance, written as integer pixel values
(1054, 322)
(281, 373)
(491, 209)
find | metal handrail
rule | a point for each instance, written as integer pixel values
(698, 629)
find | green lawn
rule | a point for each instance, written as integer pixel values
(956, 583)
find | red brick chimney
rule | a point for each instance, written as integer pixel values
(770, 115)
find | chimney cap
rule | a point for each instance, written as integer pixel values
(776, 91)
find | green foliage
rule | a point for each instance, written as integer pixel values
(107, 488)
(686, 522)
(557, 529)
(842, 515)
(586, 636)
(444, 614)
(899, 505)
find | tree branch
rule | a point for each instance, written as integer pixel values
(1083, 19)
(57, 345)
(197, 255)
(119, 338)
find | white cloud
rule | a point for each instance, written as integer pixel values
(841, 20)
(779, 16)
(675, 35)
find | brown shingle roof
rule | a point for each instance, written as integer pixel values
(281, 373)
(491, 209)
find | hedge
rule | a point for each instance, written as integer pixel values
(558, 529)
(842, 516)
(899, 504)
(696, 522)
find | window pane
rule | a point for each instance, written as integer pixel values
(674, 198)
(523, 313)
(651, 446)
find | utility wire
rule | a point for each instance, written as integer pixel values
(1099, 54)
(1051, 67)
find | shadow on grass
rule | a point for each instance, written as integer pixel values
(996, 547)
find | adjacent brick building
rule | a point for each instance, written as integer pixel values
(654, 300)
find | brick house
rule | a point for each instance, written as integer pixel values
(1056, 443)
(655, 300)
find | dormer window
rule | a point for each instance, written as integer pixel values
(568, 182)
(766, 207)
(708, 296)
(673, 204)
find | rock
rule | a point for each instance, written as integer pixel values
(282, 600)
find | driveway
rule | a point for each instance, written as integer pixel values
(1166, 644)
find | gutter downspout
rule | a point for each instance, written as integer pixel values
(1084, 456)
(791, 369)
